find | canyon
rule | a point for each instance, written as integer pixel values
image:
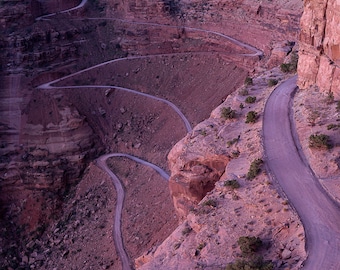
(70, 84)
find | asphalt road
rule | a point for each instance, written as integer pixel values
(320, 215)
(117, 233)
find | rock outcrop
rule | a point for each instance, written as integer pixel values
(319, 55)
(194, 172)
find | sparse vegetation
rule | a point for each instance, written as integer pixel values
(172, 7)
(332, 126)
(243, 92)
(233, 141)
(210, 202)
(228, 113)
(338, 106)
(254, 169)
(290, 67)
(199, 248)
(248, 81)
(233, 183)
(250, 99)
(236, 153)
(272, 82)
(203, 132)
(249, 245)
(330, 98)
(251, 117)
(186, 230)
(312, 117)
(319, 141)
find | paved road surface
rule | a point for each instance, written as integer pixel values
(117, 234)
(319, 214)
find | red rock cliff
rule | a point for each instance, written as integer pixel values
(319, 56)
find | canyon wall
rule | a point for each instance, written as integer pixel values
(319, 55)
(260, 24)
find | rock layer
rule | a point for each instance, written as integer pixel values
(45, 146)
(319, 56)
(193, 173)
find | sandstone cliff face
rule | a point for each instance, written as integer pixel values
(45, 146)
(319, 56)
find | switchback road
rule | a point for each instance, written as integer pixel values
(117, 233)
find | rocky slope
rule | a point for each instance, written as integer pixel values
(216, 152)
(319, 46)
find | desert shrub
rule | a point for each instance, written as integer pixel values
(186, 230)
(248, 81)
(272, 82)
(241, 106)
(250, 99)
(243, 92)
(290, 67)
(172, 7)
(235, 154)
(251, 117)
(249, 244)
(233, 141)
(210, 202)
(320, 141)
(254, 169)
(254, 263)
(330, 98)
(338, 106)
(203, 132)
(332, 126)
(228, 113)
(232, 183)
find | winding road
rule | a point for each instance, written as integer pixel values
(117, 233)
(284, 159)
(320, 215)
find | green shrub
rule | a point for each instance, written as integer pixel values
(251, 117)
(254, 169)
(248, 81)
(249, 244)
(250, 99)
(290, 67)
(228, 113)
(319, 141)
(272, 82)
(232, 183)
